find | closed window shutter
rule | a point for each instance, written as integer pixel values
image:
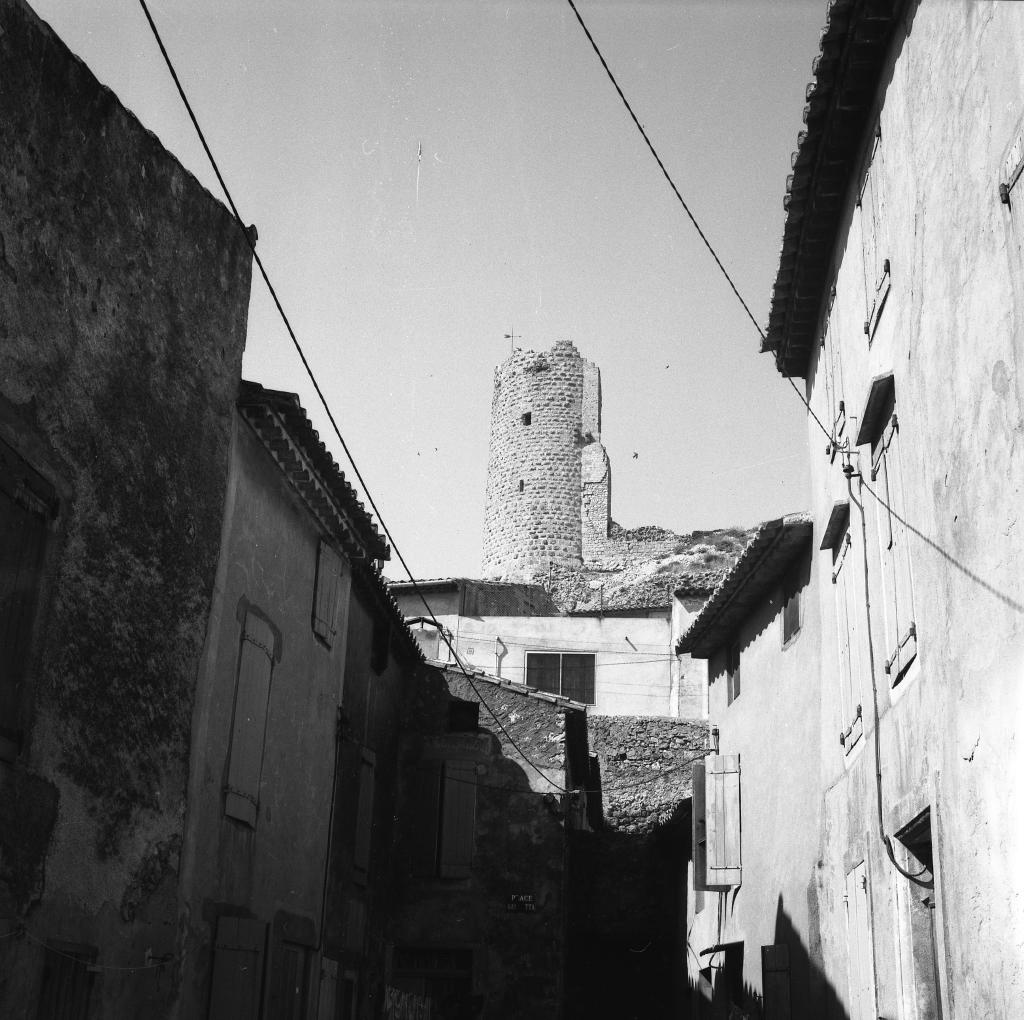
(894, 550)
(26, 503)
(722, 812)
(67, 982)
(700, 837)
(237, 969)
(458, 818)
(775, 982)
(426, 813)
(325, 601)
(850, 615)
(289, 995)
(858, 933)
(255, 663)
(364, 813)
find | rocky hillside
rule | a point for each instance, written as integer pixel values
(638, 580)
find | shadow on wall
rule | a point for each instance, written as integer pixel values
(793, 985)
(627, 907)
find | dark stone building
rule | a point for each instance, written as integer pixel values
(627, 916)
(482, 854)
(124, 290)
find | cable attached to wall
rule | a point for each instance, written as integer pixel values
(915, 878)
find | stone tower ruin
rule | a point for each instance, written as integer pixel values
(548, 494)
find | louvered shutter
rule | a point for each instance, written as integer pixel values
(849, 612)
(458, 818)
(775, 982)
(722, 813)
(364, 813)
(425, 815)
(237, 969)
(255, 663)
(700, 838)
(326, 596)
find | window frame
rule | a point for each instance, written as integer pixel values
(561, 656)
(733, 687)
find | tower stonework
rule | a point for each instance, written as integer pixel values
(548, 476)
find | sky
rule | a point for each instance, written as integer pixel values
(535, 207)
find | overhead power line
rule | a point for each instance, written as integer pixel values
(312, 378)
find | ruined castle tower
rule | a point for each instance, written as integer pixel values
(548, 476)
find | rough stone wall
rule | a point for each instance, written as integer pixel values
(643, 778)
(519, 843)
(123, 297)
(534, 471)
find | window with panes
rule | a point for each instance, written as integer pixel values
(570, 674)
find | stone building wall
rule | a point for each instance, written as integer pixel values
(545, 410)
(549, 479)
(124, 292)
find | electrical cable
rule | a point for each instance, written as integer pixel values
(309, 371)
(22, 930)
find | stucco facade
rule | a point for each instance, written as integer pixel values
(898, 302)
(270, 869)
(949, 109)
(634, 669)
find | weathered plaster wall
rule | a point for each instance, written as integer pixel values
(951, 333)
(519, 846)
(122, 324)
(268, 564)
(774, 726)
(633, 662)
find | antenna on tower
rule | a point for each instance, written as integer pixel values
(513, 336)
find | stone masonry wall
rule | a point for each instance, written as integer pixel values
(123, 300)
(541, 403)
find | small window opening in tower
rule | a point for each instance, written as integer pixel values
(527, 417)
(521, 485)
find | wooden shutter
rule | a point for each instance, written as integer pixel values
(289, 997)
(327, 996)
(252, 693)
(326, 595)
(894, 552)
(425, 816)
(851, 623)
(237, 969)
(700, 837)
(458, 818)
(858, 934)
(722, 813)
(26, 503)
(775, 982)
(364, 812)
(67, 982)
